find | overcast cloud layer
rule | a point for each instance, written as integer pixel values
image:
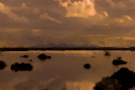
(48, 23)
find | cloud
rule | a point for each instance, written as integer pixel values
(111, 3)
(128, 17)
(7, 11)
(129, 38)
(24, 6)
(67, 23)
(82, 9)
(106, 14)
(46, 16)
(126, 20)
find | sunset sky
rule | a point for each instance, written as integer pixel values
(73, 23)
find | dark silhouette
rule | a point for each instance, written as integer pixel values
(123, 79)
(65, 48)
(30, 60)
(2, 65)
(107, 53)
(118, 61)
(25, 56)
(43, 57)
(93, 57)
(119, 58)
(87, 66)
(21, 67)
(108, 83)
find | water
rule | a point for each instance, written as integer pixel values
(64, 71)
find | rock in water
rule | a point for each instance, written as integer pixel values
(87, 66)
(21, 67)
(119, 58)
(30, 60)
(123, 79)
(25, 56)
(108, 84)
(107, 53)
(43, 57)
(118, 61)
(2, 65)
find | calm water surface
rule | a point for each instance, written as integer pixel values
(64, 71)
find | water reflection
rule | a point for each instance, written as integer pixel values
(67, 70)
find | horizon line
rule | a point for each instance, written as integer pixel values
(64, 48)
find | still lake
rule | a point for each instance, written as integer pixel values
(63, 71)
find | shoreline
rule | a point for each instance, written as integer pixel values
(65, 49)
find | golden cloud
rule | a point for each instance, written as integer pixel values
(46, 16)
(7, 11)
(82, 9)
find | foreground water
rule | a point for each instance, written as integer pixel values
(63, 71)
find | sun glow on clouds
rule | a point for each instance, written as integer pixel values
(6, 10)
(81, 9)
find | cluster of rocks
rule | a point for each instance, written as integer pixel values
(42, 57)
(115, 62)
(23, 66)
(123, 79)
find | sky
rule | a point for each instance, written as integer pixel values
(67, 23)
